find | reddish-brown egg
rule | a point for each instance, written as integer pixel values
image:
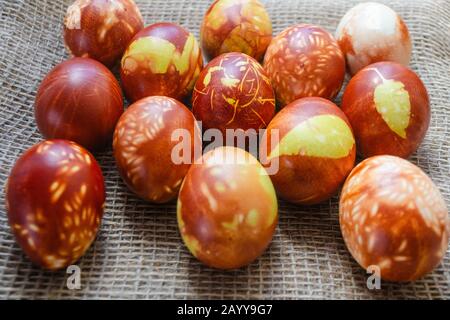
(393, 217)
(55, 197)
(233, 92)
(310, 149)
(162, 60)
(236, 26)
(79, 100)
(227, 209)
(154, 145)
(372, 32)
(305, 61)
(388, 107)
(101, 29)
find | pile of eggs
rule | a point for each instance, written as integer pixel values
(391, 214)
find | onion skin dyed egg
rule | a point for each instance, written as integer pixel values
(162, 60)
(227, 209)
(79, 100)
(305, 61)
(315, 150)
(101, 29)
(394, 217)
(55, 198)
(143, 147)
(236, 26)
(372, 32)
(389, 109)
(233, 92)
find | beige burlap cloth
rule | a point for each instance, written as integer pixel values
(138, 252)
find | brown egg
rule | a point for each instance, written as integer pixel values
(162, 60)
(147, 147)
(305, 61)
(372, 32)
(388, 107)
(227, 209)
(101, 29)
(393, 217)
(79, 100)
(311, 143)
(236, 26)
(233, 92)
(55, 197)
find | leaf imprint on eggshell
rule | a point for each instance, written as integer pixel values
(159, 54)
(325, 136)
(392, 102)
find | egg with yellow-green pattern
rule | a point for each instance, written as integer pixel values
(388, 107)
(163, 59)
(312, 144)
(233, 92)
(236, 26)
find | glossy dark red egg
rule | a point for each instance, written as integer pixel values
(101, 29)
(163, 59)
(55, 199)
(79, 100)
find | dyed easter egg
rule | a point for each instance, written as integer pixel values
(236, 26)
(372, 32)
(389, 109)
(162, 60)
(79, 100)
(305, 61)
(233, 92)
(55, 197)
(101, 29)
(393, 217)
(227, 209)
(311, 143)
(147, 148)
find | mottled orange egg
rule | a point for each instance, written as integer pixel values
(147, 148)
(101, 29)
(394, 218)
(305, 61)
(163, 59)
(236, 26)
(233, 92)
(227, 209)
(55, 197)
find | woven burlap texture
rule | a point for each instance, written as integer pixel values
(138, 252)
